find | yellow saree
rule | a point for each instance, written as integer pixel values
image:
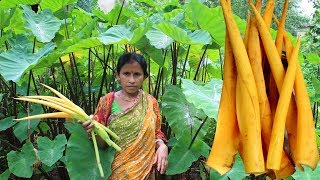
(138, 127)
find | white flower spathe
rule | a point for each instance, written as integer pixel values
(106, 5)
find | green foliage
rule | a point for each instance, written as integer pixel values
(55, 5)
(51, 151)
(181, 36)
(158, 39)
(16, 23)
(180, 114)
(313, 58)
(236, 172)
(19, 58)
(80, 157)
(308, 174)
(6, 123)
(43, 25)
(185, 115)
(205, 97)
(20, 163)
(5, 174)
(14, 3)
(122, 35)
(21, 128)
(181, 156)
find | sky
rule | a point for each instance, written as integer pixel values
(306, 7)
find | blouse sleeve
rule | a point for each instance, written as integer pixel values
(99, 113)
(103, 109)
(159, 133)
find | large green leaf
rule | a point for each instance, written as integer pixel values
(44, 25)
(80, 157)
(211, 20)
(313, 58)
(180, 114)
(147, 49)
(83, 44)
(5, 174)
(20, 163)
(205, 97)
(236, 172)
(56, 4)
(117, 34)
(174, 32)
(17, 22)
(51, 151)
(21, 128)
(181, 157)
(177, 110)
(149, 2)
(5, 16)
(53, 57)
(6, 123)
(181, 36)
(121, 34)
(308, 174)
(200, 37)
(158, 39)
(139, 32)
(82, 24)
(16, 60)
(207, 19)
(14, 3)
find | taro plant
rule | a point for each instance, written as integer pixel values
(73, 46)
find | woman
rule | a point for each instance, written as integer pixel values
(135, 117)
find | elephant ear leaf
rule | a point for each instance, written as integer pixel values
(205, 97)
(308, 173)
(20, 163)
(178, 111)
(7, 123)
(15, 61)
(51, 151)
(5, 174)
(80, 156)
(43, 25)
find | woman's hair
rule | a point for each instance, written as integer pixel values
(130, 57)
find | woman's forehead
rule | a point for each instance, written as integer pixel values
(132, 66)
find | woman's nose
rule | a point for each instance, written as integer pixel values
(131, 79)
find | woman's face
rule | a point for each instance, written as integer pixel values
(131, 77)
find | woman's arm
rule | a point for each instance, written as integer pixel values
(161, 156)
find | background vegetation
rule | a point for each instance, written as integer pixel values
(73, 46)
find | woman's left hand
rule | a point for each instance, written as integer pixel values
(161, 158)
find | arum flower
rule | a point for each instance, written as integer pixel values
(106, 5)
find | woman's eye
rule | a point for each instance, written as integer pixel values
(136, 74)
(126, 74)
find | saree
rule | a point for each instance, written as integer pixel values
(138, 127)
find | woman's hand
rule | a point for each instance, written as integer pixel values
(87, 125)
(161, 157)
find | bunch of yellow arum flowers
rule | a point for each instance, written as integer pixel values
(70, 110)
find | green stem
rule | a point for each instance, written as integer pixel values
(96, 150)
(110, 132)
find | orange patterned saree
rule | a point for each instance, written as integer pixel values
(138, 127)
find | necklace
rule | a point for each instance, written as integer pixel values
(127, 99)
